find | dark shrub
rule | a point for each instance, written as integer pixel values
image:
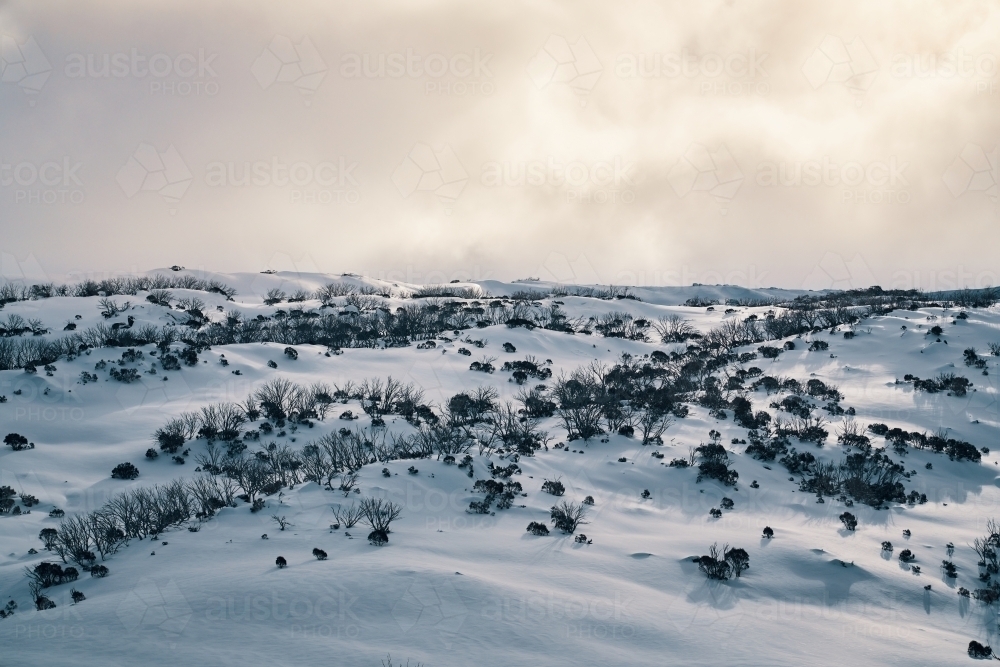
(7, 494)
(17, 442)
(99, 571)
(170, 442)
(281, 562)
(151, 453)
(878, 429)
(49, 537)
(319, 554)
(378, 538)
(170, 362)
(714, 564)
(906, 556)
(739, 560)
(77, 596)
(125, 471)
(887, 546)
(715, 464)
(539, 529)
(849, 520)
(553, 486)
(568, 516)
(979, 651)
(42, 603)
(189, 356)
(291, 353)
(768, 532)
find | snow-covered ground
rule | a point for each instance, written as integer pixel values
(454, 588)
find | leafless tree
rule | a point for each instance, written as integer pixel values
(378, 513)
(282, 521)
(275, 397)
(250, 473)
(348, 481)
(568, 516)
(347, 516)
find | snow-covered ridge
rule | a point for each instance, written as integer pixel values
(454, 586)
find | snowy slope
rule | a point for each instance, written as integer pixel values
(453, 588)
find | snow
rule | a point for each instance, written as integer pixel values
(453, 588)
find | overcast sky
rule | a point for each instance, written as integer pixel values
(786, 144)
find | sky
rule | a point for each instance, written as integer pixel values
(789, 144)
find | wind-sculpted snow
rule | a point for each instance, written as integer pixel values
(281, 468)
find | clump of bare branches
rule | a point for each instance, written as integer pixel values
(378, 514)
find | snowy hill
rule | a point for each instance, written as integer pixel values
(92, 382)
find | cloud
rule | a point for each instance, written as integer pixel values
(436, 91)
